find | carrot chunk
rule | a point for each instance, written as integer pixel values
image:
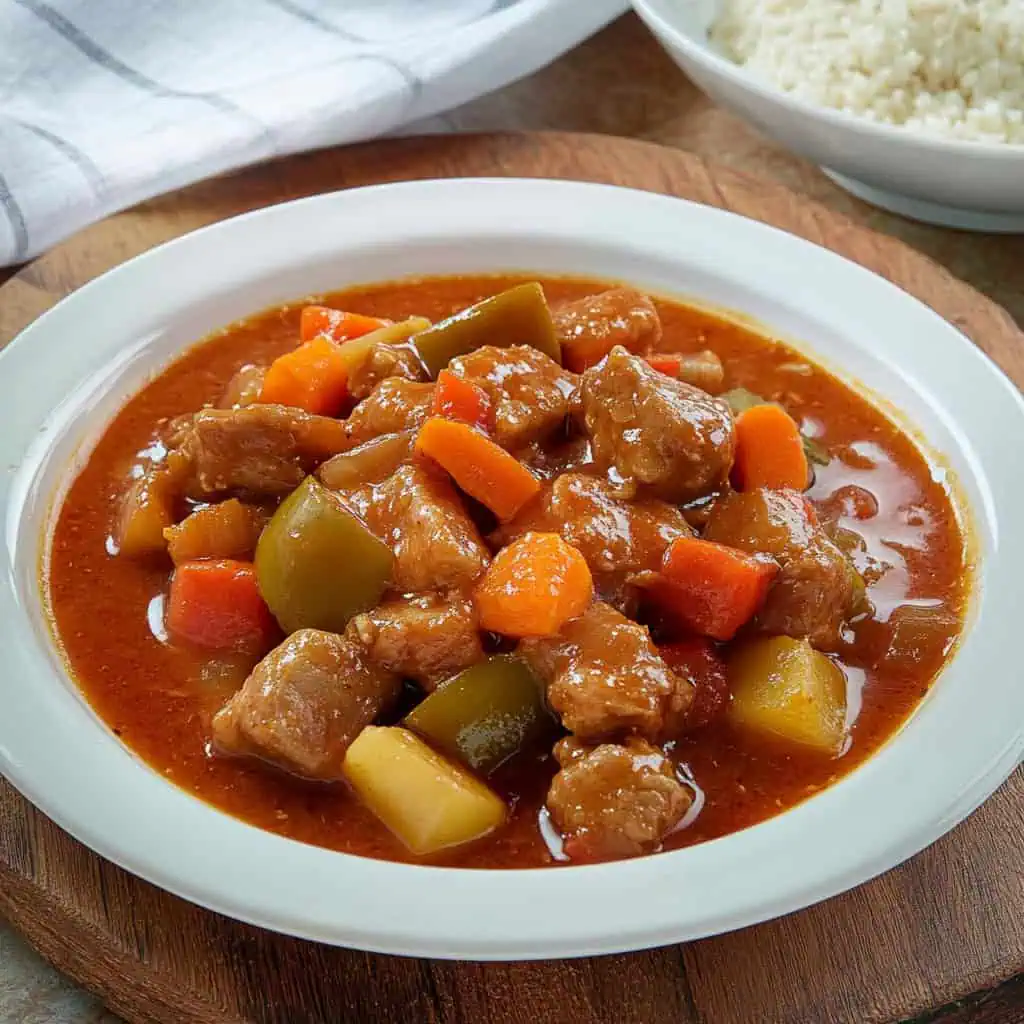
(217, 604)
(769, 450)
(458, 399)
(668, 363)
(714, 589)
(313, 377)
(533, 587)
(336, 324)
(482, 469)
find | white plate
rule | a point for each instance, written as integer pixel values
(63, 378)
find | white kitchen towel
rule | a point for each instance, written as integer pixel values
(104, 103)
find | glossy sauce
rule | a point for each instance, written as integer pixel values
(159, 699)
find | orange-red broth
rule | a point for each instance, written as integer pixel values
(159, 698)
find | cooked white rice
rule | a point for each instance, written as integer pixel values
(944, 67)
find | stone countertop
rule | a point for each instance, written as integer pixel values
(32, 992)
(618, 83)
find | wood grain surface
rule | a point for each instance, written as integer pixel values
(945, 924)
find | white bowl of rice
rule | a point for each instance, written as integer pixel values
(916, 106)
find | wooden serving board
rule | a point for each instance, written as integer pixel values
(949, 922)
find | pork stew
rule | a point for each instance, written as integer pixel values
(494, 572)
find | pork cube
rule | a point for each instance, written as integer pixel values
(427, 638)
(605, 677)
(394, 405)
(615, 800)
(419, 514)
(613, 535)
(531, 394)
(304, 703)
(589, 328)
(816, 588)
(652, 432)
(258, 449)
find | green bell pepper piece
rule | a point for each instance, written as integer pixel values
(485, 714)
(317, 564)
(518, 316)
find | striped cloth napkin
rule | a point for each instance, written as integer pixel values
(105, 103)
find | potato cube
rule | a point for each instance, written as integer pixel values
(784, 687)
(426, 800)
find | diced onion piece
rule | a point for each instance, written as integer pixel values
(353, 353)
